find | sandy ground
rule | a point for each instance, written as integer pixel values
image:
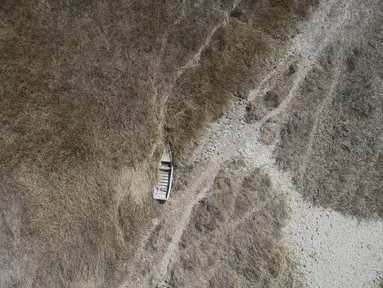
(332, 250)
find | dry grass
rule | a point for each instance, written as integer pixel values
(75, 86)
(234, 236)
(83, 86)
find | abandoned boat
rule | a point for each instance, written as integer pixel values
(165, 176)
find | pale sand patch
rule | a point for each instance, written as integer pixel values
(336, 250)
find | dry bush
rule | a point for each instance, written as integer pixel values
(234, 236)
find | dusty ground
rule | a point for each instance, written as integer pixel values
(86, 99)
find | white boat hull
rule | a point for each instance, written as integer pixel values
(165, 176)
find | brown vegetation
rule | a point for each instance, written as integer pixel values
(234, 236)
(84, 90)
